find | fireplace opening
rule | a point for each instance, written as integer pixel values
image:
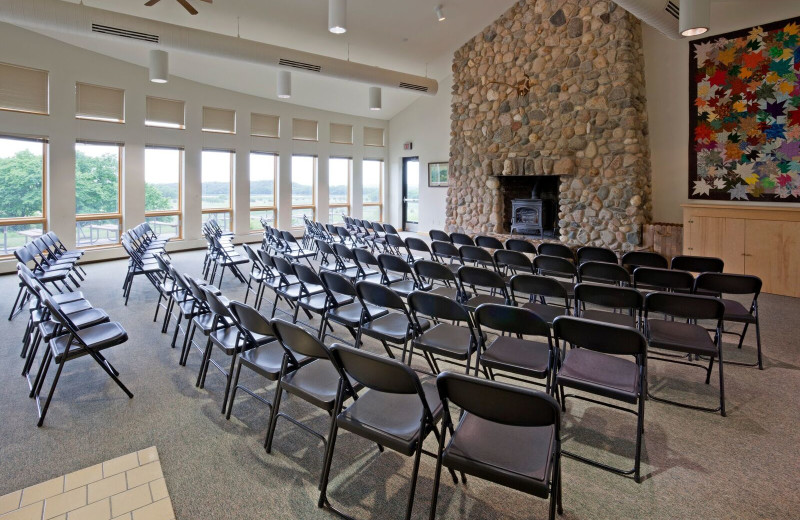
(530, 204)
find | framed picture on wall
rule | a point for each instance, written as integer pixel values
(438, 174)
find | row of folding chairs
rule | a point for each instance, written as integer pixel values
(69, 327)
(221, 254)
(51, 263)
(141, 244)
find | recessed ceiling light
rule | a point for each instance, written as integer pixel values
(695, 17)
(439, 13)
(375, 98)
(284, 84)
(337, 16)
(159, 66)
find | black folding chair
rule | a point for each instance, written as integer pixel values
(350, 315)
(596, 254)
(618, 305)
(697, 264)
(560, 268)
(513, 261)
(538, 289)
(555, 249)
(429, 272)
(399, 276)
(521, 246)
(506, 434)
(597, 364)
(656, 279)
(633, 259)
(438, 234)
(488, 242)
(604, 272)
(478, 278)
(461, 239)
(446, 254)
(418, 245)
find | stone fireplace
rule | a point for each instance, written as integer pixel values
(543, 189)
(583, 124)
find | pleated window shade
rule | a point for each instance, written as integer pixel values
(23, 89)
(168, 113)
(100, 103)
(219, 120)
(341, 134)
(373, 136)
(304, 130)
(263, 125)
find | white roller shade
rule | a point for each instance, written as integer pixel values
(373, 136)
(304, 130)
(342, 134)
(165, 112)
(263, 125)
(96, 102)
(219, 120)
(23, 89)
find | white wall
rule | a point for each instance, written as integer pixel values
(68, 64)
(426, 123)
(667, 77)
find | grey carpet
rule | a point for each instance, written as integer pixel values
(696, 465)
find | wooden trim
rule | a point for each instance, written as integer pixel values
(746, 212)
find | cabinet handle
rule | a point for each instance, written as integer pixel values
(747, 254)
(691, 222)
(691, 249)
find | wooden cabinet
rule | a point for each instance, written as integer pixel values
(758, 240)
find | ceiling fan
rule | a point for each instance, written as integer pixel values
(186, 5)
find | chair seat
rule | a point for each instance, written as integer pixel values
(600, 374)
(446, 340)
(547, 312)
(81, 319)
(392, 420)
(317, 302)
(681, 337)
(227, 340)
(67, 297)
(266, 360)
(518, 356)
(391, 327)
(735, 311)
(97, 337)
(350, 315)
(479, 299)
(75, 306)
(205, 322)
(514, 456)
(448, 292)
(317, 382)
(614, 318)
(403, 287)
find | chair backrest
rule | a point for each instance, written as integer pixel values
(697, 264)
(395, 241)
(728, 283)
(515, 260)
(417, 244)
(365, 258)
(296, 340)
(523, 246)
(600, 337)
(338, 283)
(604, 272)
(686, 306)
(195, 288)
(283, 266)
(554, 249)
(596, 254)
(306, 275)
(215, 304)
(515, 320)
(394, 263)
(461, 239)
(390, 229)
(538, 285)
(325, 248)
(343, 252)
(609, 296)
(437, 306)
(378, 227)
(488, 242)
(664, 279)
(376, 372)
(438, 234)
(499, 402)
(257, 263)
(476, 254)
(444, 250)
(431, 270)
(555, 265)
(480, 277)
(252, 321)
(634, 259)
(380, 295)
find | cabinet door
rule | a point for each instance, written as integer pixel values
(772, 253)
(719, 237)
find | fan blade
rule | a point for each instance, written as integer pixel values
(188, 7)
(152, 2)
(207, 1)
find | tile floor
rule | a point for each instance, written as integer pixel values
(130, 487)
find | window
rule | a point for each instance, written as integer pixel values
(23, 89)
(341, 134)
(263, 167)
(339, 170)
(304, 174)
(166, 113)
(372, 190)
(97, 193)
(100, 103)
(163, 170)
(305, 130)
(373, 136)
(217, 175)
(219, 120)
(262, 125)
(22, 191)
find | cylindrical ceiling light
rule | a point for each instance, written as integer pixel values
(374, 98)
(439, 13)
(159, 66)
(284, 84)
(337, 16)
(695, 17)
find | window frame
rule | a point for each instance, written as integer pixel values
(274, 207)
(313, 205)
(231, 172)
(349, 186)
(378, 204)
(86, 217)
(24, 221)
(170, 212)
